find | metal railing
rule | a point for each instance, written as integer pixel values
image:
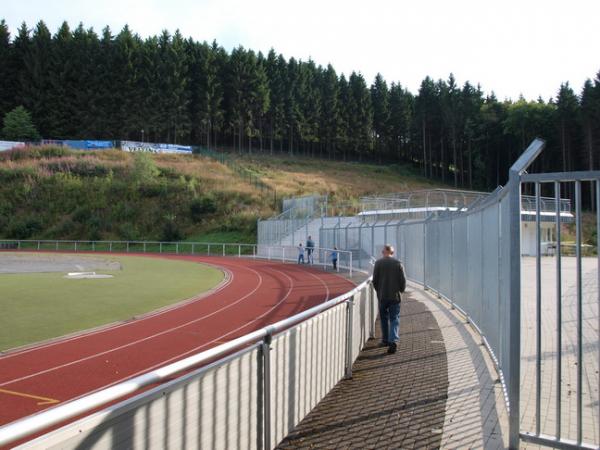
(547, 204)
(308, 205)
(250, 393)
(318, 256)
(473, 260)
(418, 203)
(297, 214)
(564, 318)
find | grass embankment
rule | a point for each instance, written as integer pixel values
(40, 306)
(344, 182)
(56, 193)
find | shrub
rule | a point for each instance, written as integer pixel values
(201, 206)
(66, 228)
(24, 228)
(19, 126)
(144, 168)
(171, 231)
(128, 232)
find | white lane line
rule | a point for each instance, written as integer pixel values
(193, 350)
(215, 340)
(102, 329)
(129, 344)
(323, 283)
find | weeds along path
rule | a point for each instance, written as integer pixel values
(256, 294)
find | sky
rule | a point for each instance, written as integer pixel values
(510, 47)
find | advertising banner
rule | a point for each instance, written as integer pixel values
(134, 146)
(8, 145)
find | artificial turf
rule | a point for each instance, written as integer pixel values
(39, 306)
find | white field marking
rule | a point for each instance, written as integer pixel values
(101, 329)
(193, 350)
(323, 283)
(129, 344)
(220, 338)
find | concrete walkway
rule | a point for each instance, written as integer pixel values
(440, 390)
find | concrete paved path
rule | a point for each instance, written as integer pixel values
(439, 390)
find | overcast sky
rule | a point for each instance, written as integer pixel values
(511, 47)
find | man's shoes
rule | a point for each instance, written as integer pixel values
(392, 348)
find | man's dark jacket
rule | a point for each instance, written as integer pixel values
(388, 279)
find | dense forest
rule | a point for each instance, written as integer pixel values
(80, 84)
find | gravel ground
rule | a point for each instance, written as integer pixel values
(41, 262)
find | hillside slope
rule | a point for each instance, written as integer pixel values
(56, 193)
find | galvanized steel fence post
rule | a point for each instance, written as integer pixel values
(266, 385)
(372, 311)
(349, 335)
(514, 310)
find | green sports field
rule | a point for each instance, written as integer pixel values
(39, 306)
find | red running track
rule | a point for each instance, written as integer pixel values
(257, 293)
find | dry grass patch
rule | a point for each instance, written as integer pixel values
(341, 180)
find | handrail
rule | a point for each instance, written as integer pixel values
(38, 422)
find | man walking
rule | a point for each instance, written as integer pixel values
(389, 282)
(310, 246)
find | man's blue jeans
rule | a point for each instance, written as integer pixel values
(389, 314)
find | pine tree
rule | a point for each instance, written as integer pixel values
(471, 100)
(380, 97)
(8, 72)
(18, 126)
(310, 104)
(493, 114)
(35, 83)
(107, 88)
(590, 117)
(331, 120)
(400, 120)
(85, 97)
(292, 113)
(452, 115)
(425, 118)
(346, 111)
(168, 86)
(121, 111)
(62, 85)
(361, 118)
(275, 68)
(567, 111)
(206, 94)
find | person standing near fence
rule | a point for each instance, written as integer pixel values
(300, 254)
(389, 282)
(334, 258)
(310, 246)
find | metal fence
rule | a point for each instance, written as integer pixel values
(418, 204)
(473, 260)
(298, 213)
(454, 258)
(307, 206)
(276, 230)
(248, 393)
(318, 256)
(560, 342)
